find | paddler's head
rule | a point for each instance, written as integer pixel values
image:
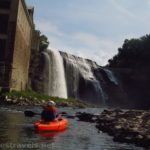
(51, 103)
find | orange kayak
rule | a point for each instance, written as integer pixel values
(56, 125)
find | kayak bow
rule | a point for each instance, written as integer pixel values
(56, 125)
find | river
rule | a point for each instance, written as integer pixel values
(17, 132)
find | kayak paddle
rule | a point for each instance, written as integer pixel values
(29, 113)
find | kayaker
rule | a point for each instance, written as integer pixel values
(49, 112)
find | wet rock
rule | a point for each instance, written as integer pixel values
(70, 117)
(14, 101)
(63, 104)
(131, 126)
(43, 101)
(87, 117)
(8, 99)
(63, 113)
(67, 116)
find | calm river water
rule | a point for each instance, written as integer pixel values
(17, 132)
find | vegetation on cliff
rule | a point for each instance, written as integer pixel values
(43, 42)
(36, 63)
(134, 53)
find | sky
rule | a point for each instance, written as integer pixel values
(92, 29)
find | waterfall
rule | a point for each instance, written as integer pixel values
(111, 76)
(79, 65)
(54, 70)
(81, 81)
(65, 75)
(100, 89)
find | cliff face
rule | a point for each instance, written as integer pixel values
(37, 61)
(111, 81)
(36, 70)
(136, 83)
(134, 56)
(124, 82)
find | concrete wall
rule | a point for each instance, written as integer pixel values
(10, 8)
(22, 49)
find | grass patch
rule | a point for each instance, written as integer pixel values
(33, 97)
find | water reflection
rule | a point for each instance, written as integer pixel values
(17, 129)
(49, 134)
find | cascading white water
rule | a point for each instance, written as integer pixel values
(77, 68)
(111, 76)
(81, 66)
(100, 89)
(56, 82)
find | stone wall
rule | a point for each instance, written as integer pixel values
(22, 50)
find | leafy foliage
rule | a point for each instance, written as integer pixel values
(134, 53)
(43, 42)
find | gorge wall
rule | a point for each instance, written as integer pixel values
(133, 63)
(64, 75)
(124, 82)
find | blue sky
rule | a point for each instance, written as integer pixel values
(93, 29)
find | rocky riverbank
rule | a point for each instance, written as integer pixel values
(30, 98)
(130, 126)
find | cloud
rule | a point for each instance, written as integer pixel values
(95, 42)
(96, 48)
(148, 1)
(122, 9)
(48, 28)
(86, 39)
(92, 29)
(87, 46)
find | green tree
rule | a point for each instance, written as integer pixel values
(133, 53)
(43, 42)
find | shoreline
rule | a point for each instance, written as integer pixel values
(31, 98)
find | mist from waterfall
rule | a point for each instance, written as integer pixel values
(55, 83)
